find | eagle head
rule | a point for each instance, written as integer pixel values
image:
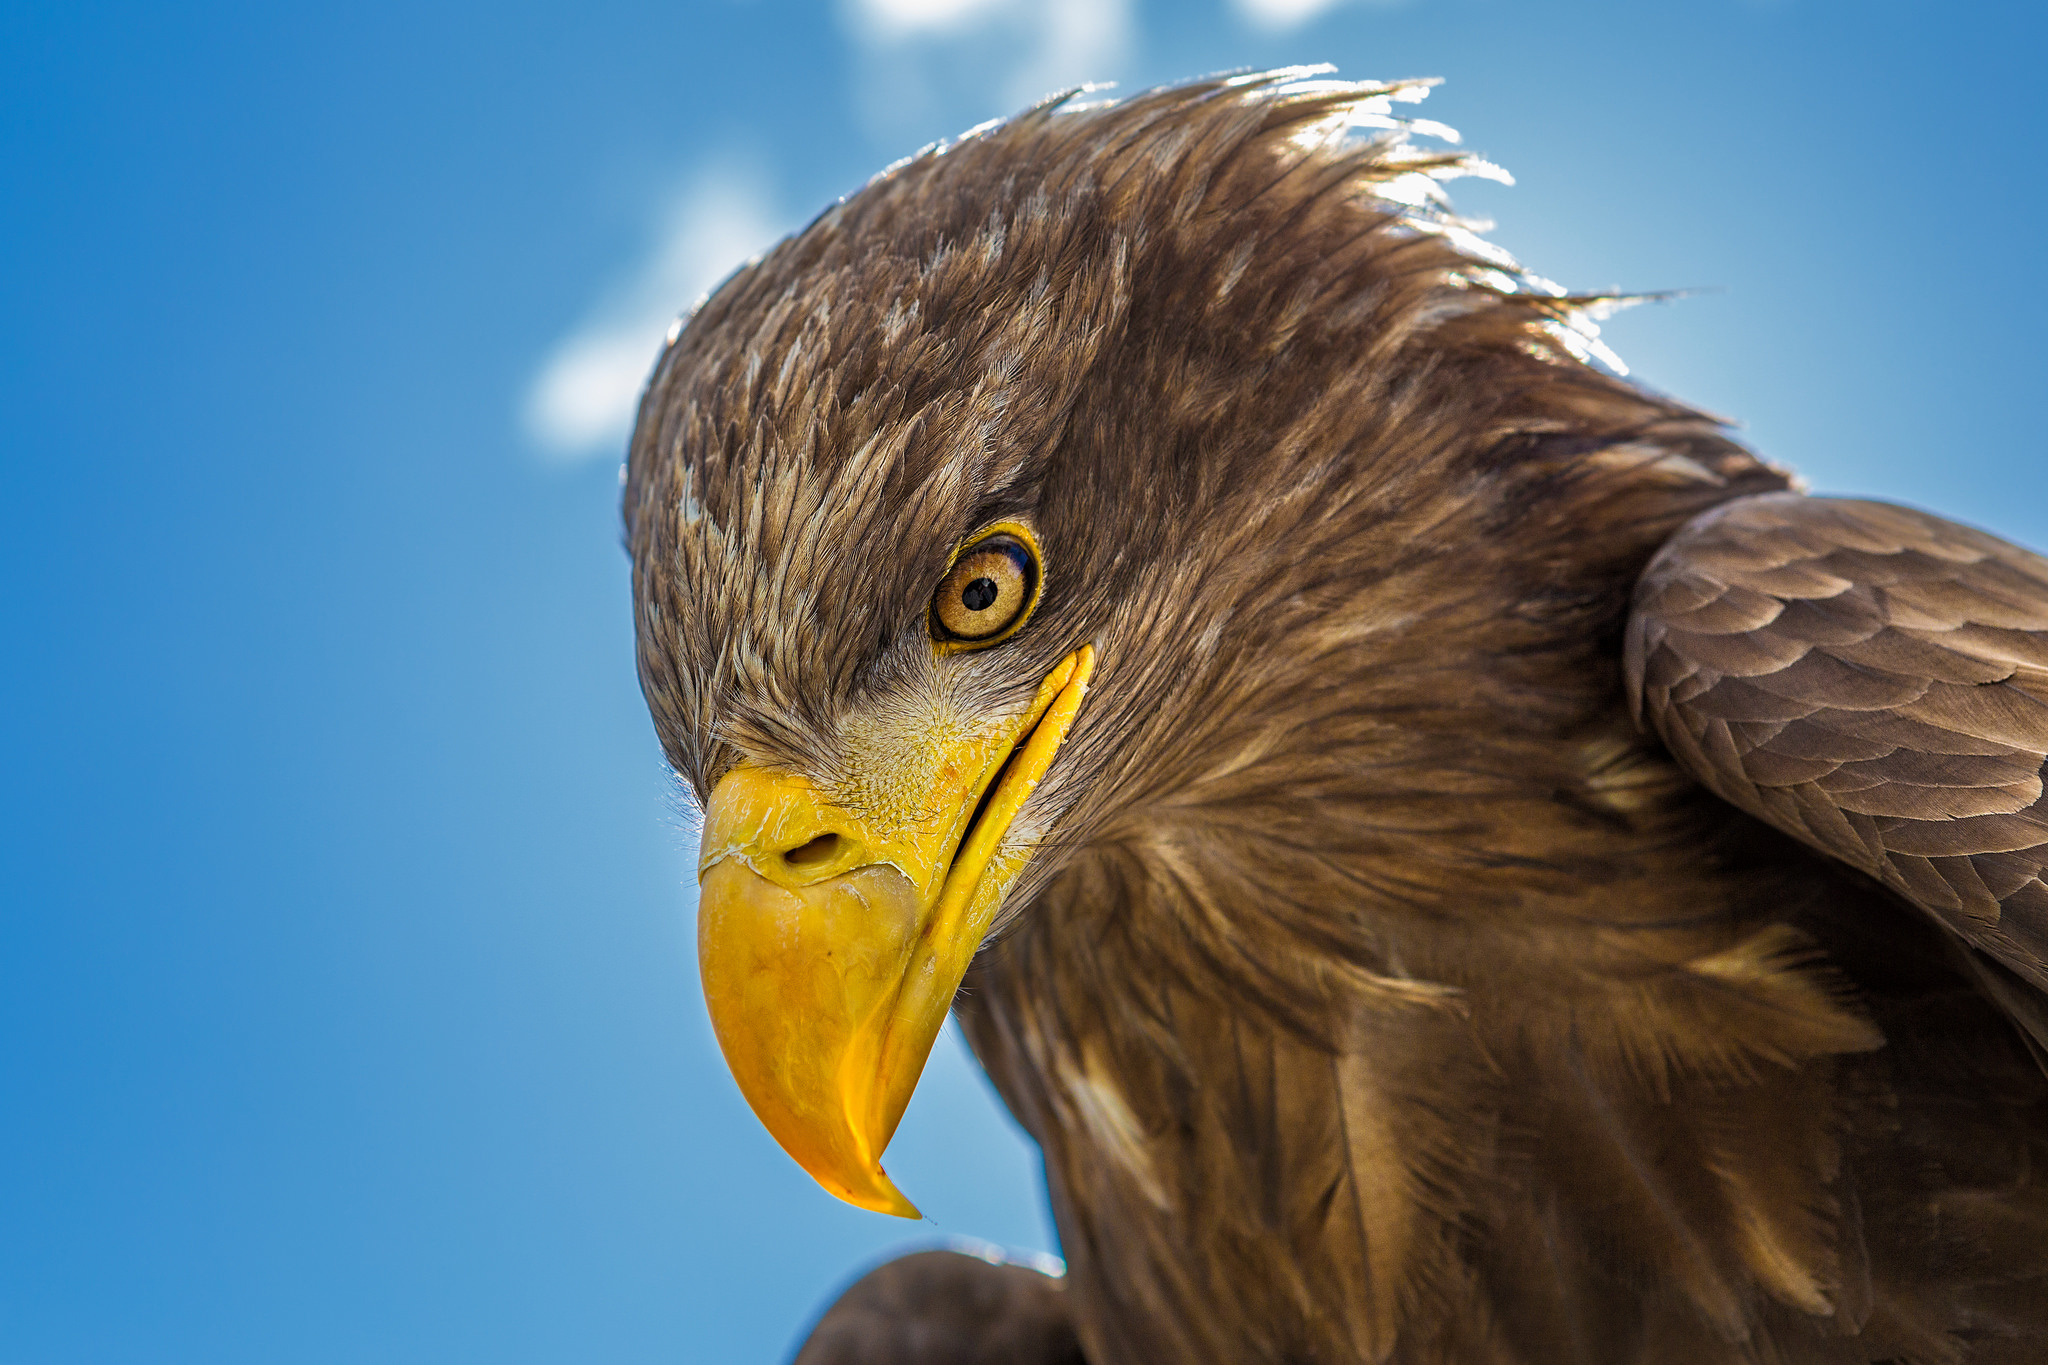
(1088, 483)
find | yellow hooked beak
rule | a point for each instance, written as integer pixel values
(832, 942)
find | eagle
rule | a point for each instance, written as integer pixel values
(1453, 857)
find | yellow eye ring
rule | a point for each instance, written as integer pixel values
(990, 588)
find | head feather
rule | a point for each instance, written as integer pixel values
(1229, 349)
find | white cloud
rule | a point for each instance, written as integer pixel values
(1280, 15)
(902, 18)
(582, 401)
(952, 62)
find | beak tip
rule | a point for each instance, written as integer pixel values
(881, 1196)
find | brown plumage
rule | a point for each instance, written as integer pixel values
(1378, 988)
(947, 1308)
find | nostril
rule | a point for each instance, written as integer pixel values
(819, 850)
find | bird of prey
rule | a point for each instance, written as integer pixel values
(1453, 858)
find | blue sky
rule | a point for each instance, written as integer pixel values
(346, 982)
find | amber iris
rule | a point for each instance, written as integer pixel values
(986, 592)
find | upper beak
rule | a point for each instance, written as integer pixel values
(832, 941)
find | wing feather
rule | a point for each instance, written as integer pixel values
(1873, 681)
(947, 1308)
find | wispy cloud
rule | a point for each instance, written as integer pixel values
(1277, 16)
(581, 402)
(922, 60)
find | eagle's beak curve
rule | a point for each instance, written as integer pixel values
(832, 941)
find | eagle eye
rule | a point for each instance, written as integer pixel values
(988, 591)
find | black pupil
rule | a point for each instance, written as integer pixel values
(978, 595)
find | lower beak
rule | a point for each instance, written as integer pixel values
(832, 942)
